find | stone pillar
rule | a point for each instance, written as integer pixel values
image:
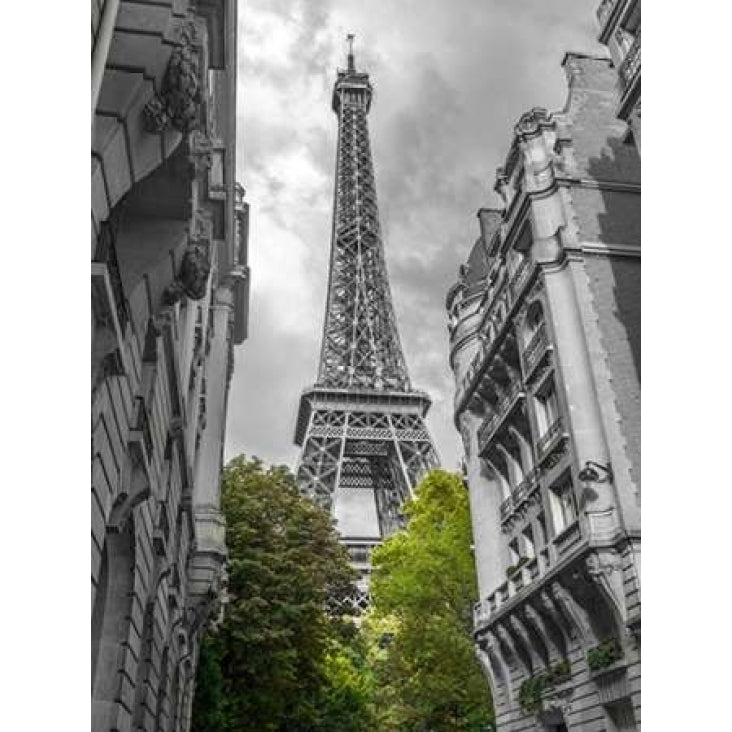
(485, 497)
(209, 523)
(549, 224)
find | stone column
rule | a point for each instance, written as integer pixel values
(209, 523)
(549, 224)
(485, 497)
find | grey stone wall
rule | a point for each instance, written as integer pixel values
(169, 292)
(569, 243)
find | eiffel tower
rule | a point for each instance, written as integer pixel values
(361, 426)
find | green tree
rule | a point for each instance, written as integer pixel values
(423, 588)
(280, 646)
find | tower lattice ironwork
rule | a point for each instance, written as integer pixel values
(361, 427)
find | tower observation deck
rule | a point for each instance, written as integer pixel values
(361, 426)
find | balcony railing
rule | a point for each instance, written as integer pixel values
(535, 349)
(567, 537)
(493, 421)
(630, 68)
(512, 295)
(519, 277)
(506, 508)
(526, 486)
(548, 438)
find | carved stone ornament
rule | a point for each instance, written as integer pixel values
(178, 103)
(200, 153)
(606, 569)
(530, 121)
(192, 277)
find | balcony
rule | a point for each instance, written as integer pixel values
(512, 295)
(551, 437)
(569, 536)
(526, 487)
(535, 350)
(501, 411)
(520, 277)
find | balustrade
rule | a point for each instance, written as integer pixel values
(526, 486)
(492, 422)
(506, 508)
(566, 538)
(519, 277)
(508, 297)
(550, 435)
(535, 349)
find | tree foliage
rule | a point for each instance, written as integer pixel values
(423, 588)
(287, 574)
(287, 658)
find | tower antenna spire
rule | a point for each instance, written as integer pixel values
(349, 40)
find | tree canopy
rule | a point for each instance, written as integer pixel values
(286, 656)
(287, 577)
(423, 588)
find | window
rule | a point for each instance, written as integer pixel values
(534, 321)
(563, 505)
(547, 407)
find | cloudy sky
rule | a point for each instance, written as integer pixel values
(451, 78)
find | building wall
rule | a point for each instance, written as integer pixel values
(620, 31)
(169, 302)
(548, 406)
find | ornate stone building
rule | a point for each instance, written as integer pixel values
(620, 31)
(545, 343)
(169, 302)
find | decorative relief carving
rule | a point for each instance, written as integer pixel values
(192, 277)
(572, 611)
(530, 121)
(606, 570)
(200, 152)
(178, 103)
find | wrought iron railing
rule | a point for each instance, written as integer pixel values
(492, 422)
(568, 536)
(520, 276)
(550, 435)
(535, 349)
(525, 487)
(630, 68)
(486, 429)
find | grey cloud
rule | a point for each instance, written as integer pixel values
(451, 79)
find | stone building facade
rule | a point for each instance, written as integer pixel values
(545, 343)
(169, 302)
(620, 31)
